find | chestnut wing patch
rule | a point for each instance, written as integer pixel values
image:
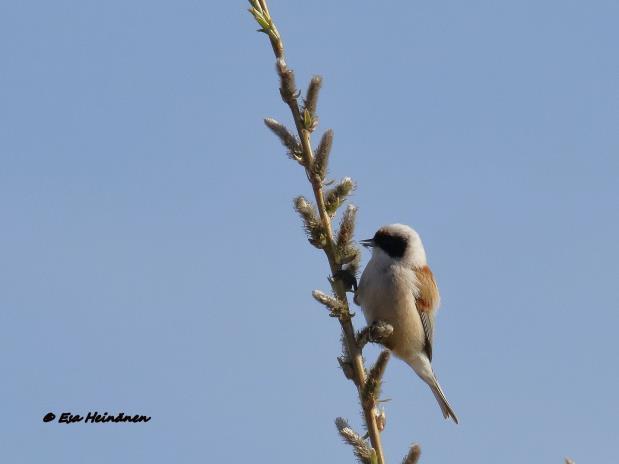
(428, 297)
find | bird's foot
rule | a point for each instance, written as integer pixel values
(347, 278)
(377, 332)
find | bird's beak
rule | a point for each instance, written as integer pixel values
(369, 243)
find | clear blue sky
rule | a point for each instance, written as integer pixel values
(150, 260)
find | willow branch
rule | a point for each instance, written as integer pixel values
(305, 123)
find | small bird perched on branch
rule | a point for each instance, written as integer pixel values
(397, 287)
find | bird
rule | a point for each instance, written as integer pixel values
(397, 286)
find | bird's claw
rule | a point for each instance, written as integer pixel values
(347, 278)
(380, 331)
(377, 332)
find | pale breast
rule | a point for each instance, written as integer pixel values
(388, 294)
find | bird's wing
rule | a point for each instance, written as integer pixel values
(426, 300)
(428, 328)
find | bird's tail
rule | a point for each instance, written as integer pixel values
(422, 367)
(448, 412)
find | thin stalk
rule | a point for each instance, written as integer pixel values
(347, 327)
(354, 352)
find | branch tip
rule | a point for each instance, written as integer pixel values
(371, 389)
(337, 307)
(321, 160)
(349, 254)
(364, 453)
(381, 418)
(335, 196)
(311, 98)
(288, 87)
(286, 138)
(413, 455)
(311, 222)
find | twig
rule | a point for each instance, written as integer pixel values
(305, 122)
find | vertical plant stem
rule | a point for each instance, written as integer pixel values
(347, 327)
(354, 351)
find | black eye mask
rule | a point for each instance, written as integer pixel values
(393, 245)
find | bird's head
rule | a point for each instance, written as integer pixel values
(399, 242)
